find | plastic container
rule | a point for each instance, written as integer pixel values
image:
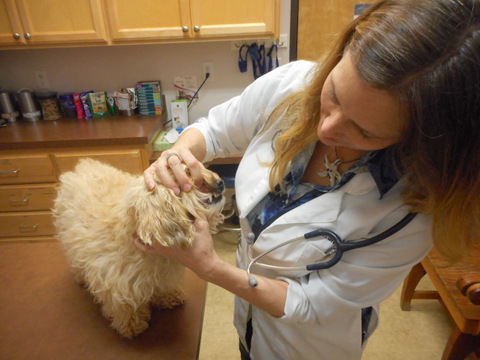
(67, 105)
(49, 104)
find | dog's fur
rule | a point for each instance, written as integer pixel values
(97, 212)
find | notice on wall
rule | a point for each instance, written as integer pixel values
(185, 87)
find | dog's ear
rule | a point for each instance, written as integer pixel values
(159, 215)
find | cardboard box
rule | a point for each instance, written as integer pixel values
(179, 110)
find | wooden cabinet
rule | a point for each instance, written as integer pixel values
(25, 207)
(148, 19)
(43, 22)
(33, 155)
(57, 23)
(186, 20)
(246, 18)
(28, 180)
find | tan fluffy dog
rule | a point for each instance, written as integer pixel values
(98, 210)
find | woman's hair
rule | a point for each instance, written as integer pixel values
(427, 53)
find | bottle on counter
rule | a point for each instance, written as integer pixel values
(28, 106)
(49, 104)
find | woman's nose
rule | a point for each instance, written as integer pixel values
(334, 123)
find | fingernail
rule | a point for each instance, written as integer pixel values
(176, 191)
(187, 187)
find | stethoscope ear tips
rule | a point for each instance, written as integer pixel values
(252, 281)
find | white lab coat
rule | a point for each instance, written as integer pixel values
(323, 309)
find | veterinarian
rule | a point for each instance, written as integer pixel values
(387, 125)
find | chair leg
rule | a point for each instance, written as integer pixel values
(410, 284)
(460, 345)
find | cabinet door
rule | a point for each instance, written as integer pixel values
(62, 21)
(148, 19)
(11, 31)
(230, 19)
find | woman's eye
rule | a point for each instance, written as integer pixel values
(367, 135)
(332, 94)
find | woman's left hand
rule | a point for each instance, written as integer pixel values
(201, 257)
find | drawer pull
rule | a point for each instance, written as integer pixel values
(6, 172)
(15, 201)
(28, 228)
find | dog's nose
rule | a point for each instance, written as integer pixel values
(220, 185)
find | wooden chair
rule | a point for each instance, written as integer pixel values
(458, 289)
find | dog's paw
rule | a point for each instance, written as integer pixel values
(170, 299)
(134, 328)
(129, 322)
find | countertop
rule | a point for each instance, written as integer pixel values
(108, 130)
(45, 314)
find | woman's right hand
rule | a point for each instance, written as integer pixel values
(171, 173)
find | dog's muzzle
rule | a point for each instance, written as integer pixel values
(217, 191)
(220, 186)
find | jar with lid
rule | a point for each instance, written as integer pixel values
(28, 105)
(49, 104)
(67, 105)
(7, 110)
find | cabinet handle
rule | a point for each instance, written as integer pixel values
(28, 228)
(185, 28)
(16, 36)
(6, 172)
(28, 36)
(196, 28)
(16, 201)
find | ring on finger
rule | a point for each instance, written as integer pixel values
(173, 154)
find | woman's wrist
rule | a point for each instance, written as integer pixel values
(210, 270)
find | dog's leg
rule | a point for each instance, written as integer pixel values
(126, 320)
(169, 299)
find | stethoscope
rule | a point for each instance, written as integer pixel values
(332, 255)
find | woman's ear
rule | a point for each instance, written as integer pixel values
(160, 216)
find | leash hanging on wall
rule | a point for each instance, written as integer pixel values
(258, 57)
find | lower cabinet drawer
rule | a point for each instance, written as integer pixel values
(27, 197)
(26, 224)
(31, 169)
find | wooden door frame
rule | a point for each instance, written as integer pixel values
(294, 5)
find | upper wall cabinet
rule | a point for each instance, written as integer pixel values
(60, 23)
(173, 20)
(148, 19)
(66, 22)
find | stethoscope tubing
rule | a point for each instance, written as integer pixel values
(339, 247)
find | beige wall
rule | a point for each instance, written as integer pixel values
(114, 67)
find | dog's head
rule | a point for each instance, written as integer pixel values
(167, 218)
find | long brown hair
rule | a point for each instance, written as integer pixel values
(427, 53)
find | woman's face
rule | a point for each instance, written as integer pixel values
(357, 116)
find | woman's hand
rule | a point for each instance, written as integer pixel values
(201, 257)
(269, 295)
(171, 173)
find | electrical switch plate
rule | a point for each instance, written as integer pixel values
(42, 80)
(207, 67)
(283, 41)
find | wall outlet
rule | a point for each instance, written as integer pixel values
(42, 80)
(207, 67)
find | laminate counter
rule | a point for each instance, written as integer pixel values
(104, 131)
